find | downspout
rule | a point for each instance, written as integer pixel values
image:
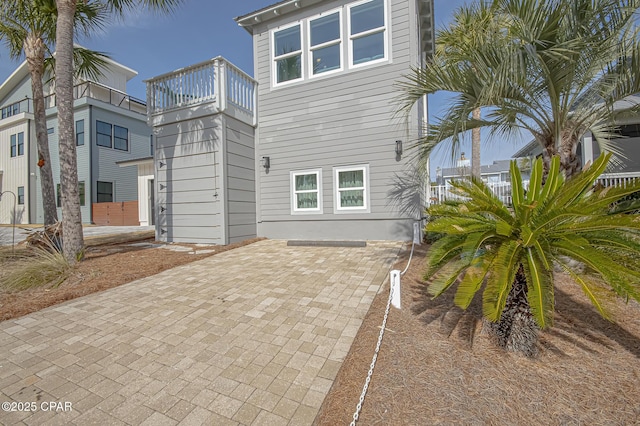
(29, 203)
(89, 141)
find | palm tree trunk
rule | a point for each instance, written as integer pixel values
(34, 49)
(517, 330)
(475, 146)
(568, 160)
(71, 216)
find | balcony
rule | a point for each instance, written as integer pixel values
(209, 87)
(87, 89)
(100, 92)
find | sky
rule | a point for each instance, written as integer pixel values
(154, 44)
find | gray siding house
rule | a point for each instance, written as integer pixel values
(110, 127)
(329, 152)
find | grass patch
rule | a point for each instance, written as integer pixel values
(33, 267)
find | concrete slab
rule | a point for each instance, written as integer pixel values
(251, 336)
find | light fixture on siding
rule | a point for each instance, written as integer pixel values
(266, 162)
(398, 147)
(162, 164)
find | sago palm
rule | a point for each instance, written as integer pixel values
(554, 70)
(508, 253)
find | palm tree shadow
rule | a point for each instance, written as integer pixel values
(577, 322)
(452, 319)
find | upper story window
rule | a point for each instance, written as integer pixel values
(120, 138)
(315, 46)
(17, 144)
(103, 134)
(367, 32)
(325, 44)
(287, 54)
(110, 136)
(80, 132)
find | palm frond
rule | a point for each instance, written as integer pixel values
(499, 282)
(540, 286)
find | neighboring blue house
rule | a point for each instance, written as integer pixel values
(110, 127)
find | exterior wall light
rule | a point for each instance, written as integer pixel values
(266, 162)
(398, 147)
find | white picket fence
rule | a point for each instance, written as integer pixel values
(442, 193)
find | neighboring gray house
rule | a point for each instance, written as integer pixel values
(495, 173)
(110, 126)
(627, 164)
(329, 152)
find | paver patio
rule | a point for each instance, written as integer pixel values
(252, 336)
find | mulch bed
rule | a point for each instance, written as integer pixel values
(436, 366)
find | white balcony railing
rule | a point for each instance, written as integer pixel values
(618, 179)
(213, 81)
(442, 193)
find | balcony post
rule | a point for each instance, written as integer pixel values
(220, 76)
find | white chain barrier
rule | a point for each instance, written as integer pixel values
(384, 325)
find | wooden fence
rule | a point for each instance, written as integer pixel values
(124, 213)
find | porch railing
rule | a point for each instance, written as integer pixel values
(442, 193)
(24, 105)
(215, 80)
(618, 179)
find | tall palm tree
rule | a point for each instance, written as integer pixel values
(71, 217)
(472, 26)
(509, 254)
(555, 69)
(29, 27)
(26, 28)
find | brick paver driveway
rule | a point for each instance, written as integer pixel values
(253, 336)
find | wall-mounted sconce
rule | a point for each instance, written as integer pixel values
(265, 162)
(398, 147)
(161, 164)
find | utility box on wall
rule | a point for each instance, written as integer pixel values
(203, 119)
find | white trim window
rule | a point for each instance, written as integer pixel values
(325, 43)
(287, 55)
(351, 185)
(368, 35)
(306, 191)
